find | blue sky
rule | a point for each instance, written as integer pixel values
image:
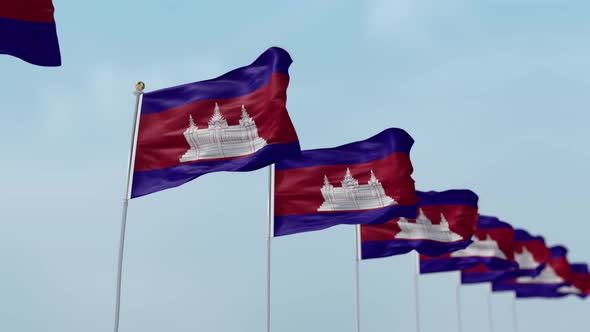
(494, 93)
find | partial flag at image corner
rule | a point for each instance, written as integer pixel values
(28, 32)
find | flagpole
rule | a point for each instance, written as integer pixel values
(416, 290)
(271, 189)
(458, 296)
(357, 254)
(139, 86)
(514, 313)
(491, 318)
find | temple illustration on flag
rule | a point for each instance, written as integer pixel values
(547, 276)
(353, 196)
(423, 228)
(481, 248)
(525, 259)
(220, 140)
(571, 289)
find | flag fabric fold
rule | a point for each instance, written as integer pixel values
(28, 31)
(530, 253)
(555, 274)
(445, 223)
(493, 246)
(580, 283)
(237, 122)
(366, 182)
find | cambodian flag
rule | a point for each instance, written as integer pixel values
(493, 246)
(237, 122)
(555, 274)
(580, 283)
(446, 222)
(27, 31)
(366, 182)
(581, 278)
(530, 253)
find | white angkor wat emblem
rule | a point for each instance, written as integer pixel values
(424, 229)
(220, 140)
(353, 196)
(547, 276)
(571, 289)
(481, 248)
(525, 259)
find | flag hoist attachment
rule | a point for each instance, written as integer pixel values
(139, 87)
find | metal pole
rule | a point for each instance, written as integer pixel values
(514, 313)
(139, 86)
(357, 253)
(490, 314)
(271, 184)
(417, 290)
(458, 296)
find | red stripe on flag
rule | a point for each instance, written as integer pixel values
(561, 266)
(462, 220)
(27, 10)
(383, 232)
(297, 191)
(161, 142)
(537, 248)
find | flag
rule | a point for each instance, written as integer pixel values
(28, 32)
(445, 223)
(493, 246)
(581, 278)
(580, 283)
(366, 182)
(530, 253)
(236, 122)
(555, 274)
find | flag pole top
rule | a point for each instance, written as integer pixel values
(139, 86)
